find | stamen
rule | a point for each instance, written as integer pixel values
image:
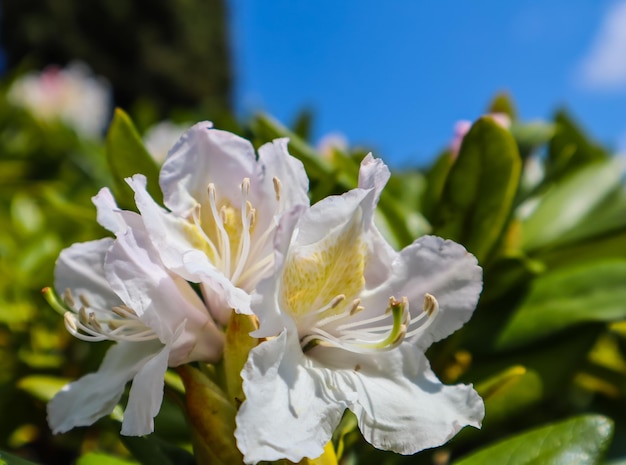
(277, 187)
(53, 300)
(431, 311)
(244, 244)
(83, 300)
(68, 298)
(356, 307)
(196, 220)
(82, 316)
(223, 239)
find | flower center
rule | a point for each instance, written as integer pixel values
(322, 289)
(229, 239)
(119, 323)
(346, 330)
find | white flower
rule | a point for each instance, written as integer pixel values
(72, 95)
(160, 137)
(223, 208)
(338, 339)
(119, 290)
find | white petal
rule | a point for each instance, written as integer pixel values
(435, 266)
(170, 234)
(83, 402)
(402, 406)
(161, 300)
(146, 395)
(264, 304)
(109, 214)
(220, 293)
(276, 162)
(330, 213)
(201, 156)
(373, 174)
(289, 412)
(80, 269)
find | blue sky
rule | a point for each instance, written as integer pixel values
(397, 75)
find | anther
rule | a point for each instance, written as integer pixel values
(94, 323)
(70, 322)
(83, 300)
(430, 304)
(245, 186)
(277, 186)
(337, 300)
(68, 298)
(356, 307)
(82, 316)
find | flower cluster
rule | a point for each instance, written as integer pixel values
(72, 95)
(343, 319)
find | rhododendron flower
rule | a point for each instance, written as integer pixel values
(223, 206)
(72, 95)
(347, 320)
(119, 290)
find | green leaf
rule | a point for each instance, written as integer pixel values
(570, 202)
(42, 387)
(10, 459)
(530, 136)
(127, 156)
(480, 188)
(150, 450)
(268, 129)
(570, 148)
(581, 440)
(562, 298)
(96, 458)
(503, 103)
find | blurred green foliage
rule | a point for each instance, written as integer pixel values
(541, 205)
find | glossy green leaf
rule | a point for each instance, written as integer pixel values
(149, 450)
(580, 440)
(569, 204)
(503, 103)
(10, 459)
(268, 129)
(570, 149)
(532, 135)
(96, 458)
(566, 297)
(128, 156)
(42, 387)
(480, 188)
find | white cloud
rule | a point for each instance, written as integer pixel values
(604, 67)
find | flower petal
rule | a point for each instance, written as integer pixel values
(264, 300)
(286, 414)
(401, 405)
(109, 214)
(80, 269)
(439, 267)
(161, 300)
(83, 402)
(277, 163)
(373, 174)
(146, 396)
(201, 156)
(171, 235)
